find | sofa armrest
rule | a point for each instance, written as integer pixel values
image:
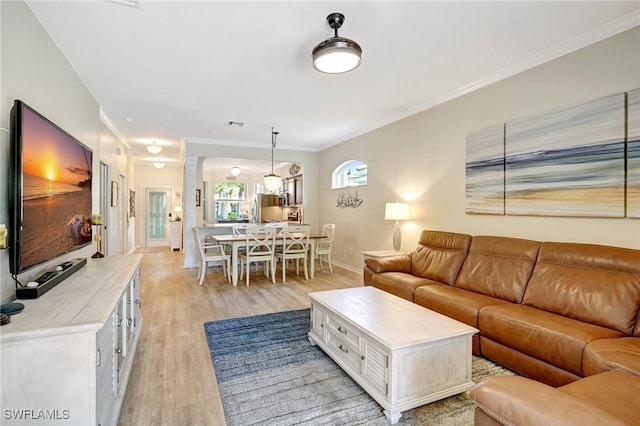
(525, 402)
(399, 263)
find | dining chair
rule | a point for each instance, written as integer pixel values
(295, 246)
(260, 243)
(210, 252)
(323, 246)
(278, 225)
(240, 228)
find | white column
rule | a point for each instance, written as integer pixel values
(190, 179)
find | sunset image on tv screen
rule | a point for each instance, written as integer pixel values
(56, 191)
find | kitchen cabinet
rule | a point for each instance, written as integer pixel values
(292, 190)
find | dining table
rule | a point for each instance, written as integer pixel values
(238, 241)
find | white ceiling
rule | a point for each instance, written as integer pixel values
(180, 71)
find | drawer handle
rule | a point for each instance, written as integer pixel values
(345, 350)
(341, 330)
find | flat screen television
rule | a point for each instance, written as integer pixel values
(49, 191)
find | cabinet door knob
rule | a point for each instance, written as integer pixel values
(119, 350)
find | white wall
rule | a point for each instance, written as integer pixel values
(421, 159)
(35, 71)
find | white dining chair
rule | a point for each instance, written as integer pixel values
(323, 246)
(240, 228)
(210, 252)
(295, 246)
(259, 247)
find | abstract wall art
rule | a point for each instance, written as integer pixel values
(485, 171)
(581, 161)
(633, 154)
(569, 162)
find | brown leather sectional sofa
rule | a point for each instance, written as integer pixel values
(553, 312)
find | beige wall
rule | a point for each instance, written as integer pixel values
(308, 159)
(146, 177)
(421, 159)
(35, 71)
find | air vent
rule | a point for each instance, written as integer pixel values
(131, 3)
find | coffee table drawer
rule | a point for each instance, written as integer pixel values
(347, 333)
(343, 351)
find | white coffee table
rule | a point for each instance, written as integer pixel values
(400, 353)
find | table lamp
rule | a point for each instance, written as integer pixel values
(396, 211)
(96, 219)
(178, 211)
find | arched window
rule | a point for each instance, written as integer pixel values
(349, 173)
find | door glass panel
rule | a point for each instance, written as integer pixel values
(157, 215)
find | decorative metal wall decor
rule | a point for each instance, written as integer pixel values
(569, 162)
(348, 200)
(294, 169)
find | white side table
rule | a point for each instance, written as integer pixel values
(175, 233)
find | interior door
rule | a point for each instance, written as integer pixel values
(157, 217)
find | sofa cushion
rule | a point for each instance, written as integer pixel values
(399, 283)
(498, 267)
(461, 305)
(439, 255)
(399, 263)
(595, 284)
(520, 401)
(612, 354)
(549, 337)
(615, 392)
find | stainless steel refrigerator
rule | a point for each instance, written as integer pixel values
(266, 208)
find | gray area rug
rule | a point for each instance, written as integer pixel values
(269, 374)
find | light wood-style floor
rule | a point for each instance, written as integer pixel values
(172, 381)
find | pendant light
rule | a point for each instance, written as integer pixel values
(336, 55)
(154, 148)
(272, 182)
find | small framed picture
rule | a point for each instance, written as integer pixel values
(132, 203)
(114, 193)
(197, 198)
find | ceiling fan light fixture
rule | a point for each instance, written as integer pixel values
(336, 55)
(235, 170)
(158, 165)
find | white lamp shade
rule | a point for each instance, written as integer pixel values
(272, 183)
(177, 209)
(396, 211)
(158, 165)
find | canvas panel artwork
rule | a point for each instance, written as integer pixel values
(485, 171)
(633, 154)
(569, 162)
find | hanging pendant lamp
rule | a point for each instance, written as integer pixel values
(272, 182)
(336, 55)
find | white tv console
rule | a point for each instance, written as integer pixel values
(67, 356)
